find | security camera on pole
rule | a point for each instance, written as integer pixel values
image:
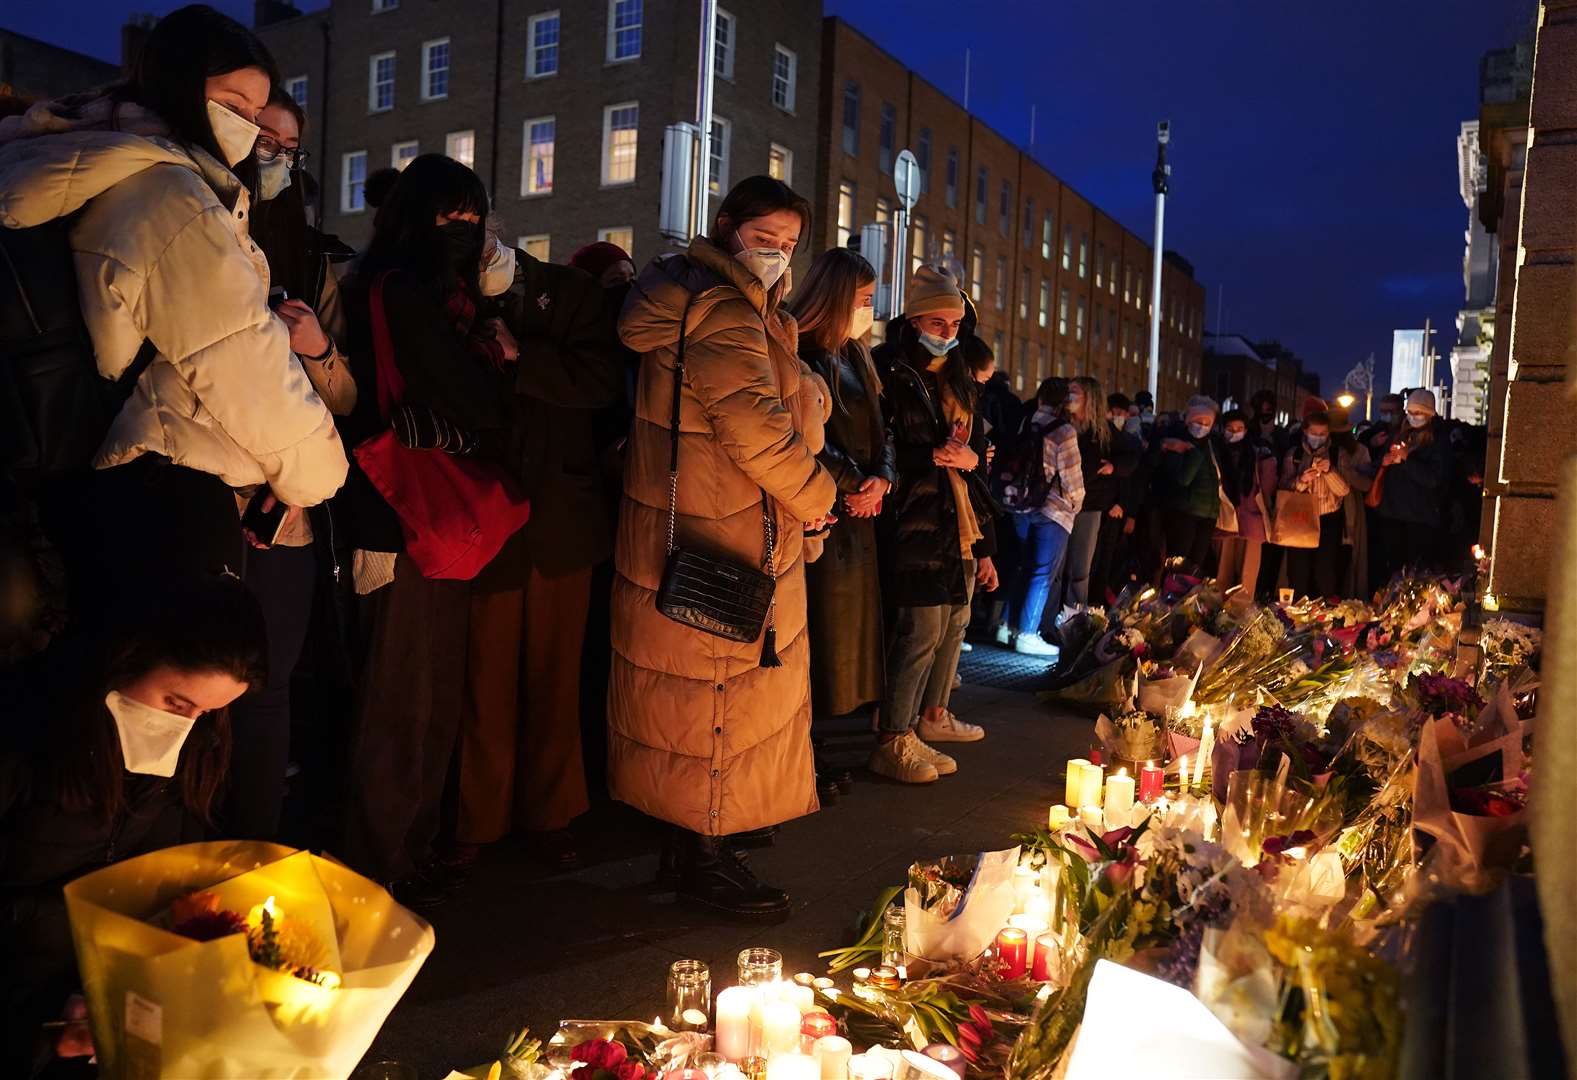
(1161, 178)
(906, 178)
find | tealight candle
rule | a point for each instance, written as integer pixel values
(949, 1055)
(780, 1022)
(815, 1025)
(1090, 817)
(1058, 818)
(1074, 786)
(733, 1022)
(1045, 948)
(1031, 925)
(1152, 781)
(870, 1067)
(1012, 951)
(1119, 799)
(793, 1067)
(833, 1053)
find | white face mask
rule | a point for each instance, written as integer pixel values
(1133, 425)
(1199, 431)
(767, 263)
(150, 739)
(273, 177)
(1315, 441)
(234, 134)
(1235, 436)
(1417, 420)
(864, 316)
(499, 274)
(936, 345)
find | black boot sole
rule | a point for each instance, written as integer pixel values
(751, 915)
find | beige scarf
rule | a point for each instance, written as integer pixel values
(955, 413)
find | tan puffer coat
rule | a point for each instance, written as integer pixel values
(700, 734)
(162, 252)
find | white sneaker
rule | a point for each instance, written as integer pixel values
(964, 646)
(1005, 635)
(944, 765)
(949, 729)
(1034, 645)
(900, 759)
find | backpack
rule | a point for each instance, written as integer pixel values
(55, 407)
(1018, 479)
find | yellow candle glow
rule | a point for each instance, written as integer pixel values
(1090, 784)
(1074, 784)
(1058, 818)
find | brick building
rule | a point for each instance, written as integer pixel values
(36, 69)
(1061, 287)
(560, 106)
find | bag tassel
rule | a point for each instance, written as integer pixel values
(769, 643)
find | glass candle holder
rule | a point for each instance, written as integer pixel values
(870, 1067)
(689, 996)
(758, 966)
(894, 927)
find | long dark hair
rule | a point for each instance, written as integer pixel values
(187, 48)
(207, 623)
(405, 232)
(753, 197)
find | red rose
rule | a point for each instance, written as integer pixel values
(630, 1070)
(600, 1054)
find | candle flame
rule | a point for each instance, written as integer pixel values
(1478, 551)
(268, 906)
(1490, 603)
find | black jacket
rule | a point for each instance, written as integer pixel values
(1102, 492)
(859, 446)
(1001, 408)
(1417, 490)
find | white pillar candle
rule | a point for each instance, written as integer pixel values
(1090, 817)
(833, 1053)
(779, 1028)
(802, 998)
(1058, 818)
(1119, 800)
(793, 1067)
(1207, 744)
(733, 1022)
(1074, 785)
(1090, 792)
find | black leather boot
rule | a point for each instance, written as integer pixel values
(755, 838)
(671, 859)
(713, 874)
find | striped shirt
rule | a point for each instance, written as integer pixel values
(1060, 455)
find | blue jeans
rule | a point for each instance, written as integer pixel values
(1042, 543)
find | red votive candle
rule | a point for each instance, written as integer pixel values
(1045, 946)
(1152, 780)
(1013, 952)
(814, 1025)
(1095, 757)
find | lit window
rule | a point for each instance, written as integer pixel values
(461, 145)
(620, 125)
(1002, 282)
(952, 177)
(1084, 254)
(297, 89)
(981, 180)
(887, 134)
(353, 182)
(785, 78)
(949, 245)
(380, 82)
(622, 236)
(542, 52)
(1100, 263)
(1078, 325)
(851, 117)
(977, 273)
(1067, 247)
(1045, 301)
(1029, 223)
(1127, 283)
(624, 30)
(723, 45)
(537, 246)
(846, 195)
(1111, 277)
(1005, 208)
(921, 239)
(402, 154)
(1047, 230)
(536, 171)
(884, 210)
(1023, 293)
(780, 163)
(435, 69)
(1062, 312)
(922, 157)
(717, 153)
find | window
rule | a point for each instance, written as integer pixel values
(1100, 263)
(723, 45)
(922, 157)
(1067, 247)
(1002, 282)
(536, 170)
(624, 30)
(621, 235)
(1111, 277)
(353, 182)
(402, 154)
(785, 78)
(887, 134)
(542, 49)
(977, 272)
(949, 246)
(1005, 209)
(780, 163)
(981, 180)
(1047, 231)
(1023, 293)
(461, 145)
(1040, 363)
(538, 247)
(435, 69)
(1029, 223)
(1123, 347)
(619, 129)
(297, 89)
(1084, 254)
(1078, 325)
(1127, 282)
(921, 238)
(1023, 354)
(717, 166)
(884, 210)
(384, 5)
(380, 82)
(1045, 301)
(851, 117)
(846, 199)
(1097, 338)
(1062, 311)
(952, 178)
(1111, 331)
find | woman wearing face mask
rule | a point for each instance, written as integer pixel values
(1414, 481)
(157, 171)
(1187, 487)
(1317, 467)
(1107, 456)
(1248, 477)
(941, 536)
(126, 754)
(424, 260)
(833, 309)
(711, 736)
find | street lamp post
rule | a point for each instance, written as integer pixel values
(703, 114)
(1161, 180)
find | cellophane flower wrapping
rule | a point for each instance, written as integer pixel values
(164, 1005)
(954, 906)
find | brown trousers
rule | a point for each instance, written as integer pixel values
(520, 757)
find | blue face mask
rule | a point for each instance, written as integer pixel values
(936, 346)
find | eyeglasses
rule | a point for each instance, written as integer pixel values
(268, 148)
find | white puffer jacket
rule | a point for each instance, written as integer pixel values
(162, 252)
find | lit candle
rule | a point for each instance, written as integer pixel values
(780, 1022)
(1152, 781)
(1012, 951)
(1090, 794)
(948, 1055)
(733, 1022)
(804, 978)
(1119, 800)
(1090, 817)
(1058, 818)
(1046, 946)
(1024, 882)
(1207, 743)
(1074, 787)
(1182, 774)
(793, 1067)
(1038, 907)
(815, 1025)
(871, 1066)
(833, 1053)
(802, 998)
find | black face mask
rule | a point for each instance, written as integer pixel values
(463, 246)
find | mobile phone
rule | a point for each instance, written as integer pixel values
(264, 524)
(277, 295)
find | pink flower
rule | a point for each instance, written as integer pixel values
(980, 1017)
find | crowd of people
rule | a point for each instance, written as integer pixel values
(406, 534)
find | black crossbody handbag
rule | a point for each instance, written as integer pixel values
(715, 595)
